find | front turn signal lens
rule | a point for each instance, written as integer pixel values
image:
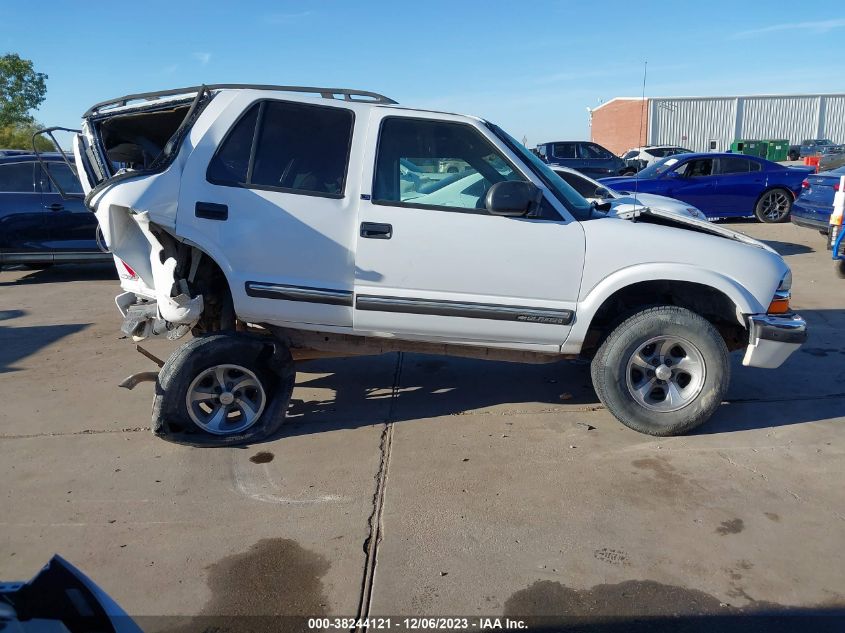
(779, 304)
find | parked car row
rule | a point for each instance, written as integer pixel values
(813, 147)
(722, 185)
(37, 226)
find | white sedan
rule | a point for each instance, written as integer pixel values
(622, 202)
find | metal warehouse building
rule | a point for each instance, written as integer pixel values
(713, 123)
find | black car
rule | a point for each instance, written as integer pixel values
(590, 159)
(37, 226)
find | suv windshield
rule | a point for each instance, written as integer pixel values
(568, 197)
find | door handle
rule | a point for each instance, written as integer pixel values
(376, 230)
(56, 206)
(211, 211)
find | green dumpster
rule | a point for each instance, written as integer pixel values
(750, 147)
(778, 149)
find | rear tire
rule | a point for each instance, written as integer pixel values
(248, 379)
(774, 206)
(663, 371)
(839, 267)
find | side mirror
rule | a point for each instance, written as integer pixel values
(601, 192)
(514, 198)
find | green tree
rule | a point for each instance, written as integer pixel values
(21, 90)
(19, 136)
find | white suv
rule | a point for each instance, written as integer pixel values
(283, 223)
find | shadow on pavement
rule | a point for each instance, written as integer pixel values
(788, 248)
(809, 387)
(62, 272)
(16, 343)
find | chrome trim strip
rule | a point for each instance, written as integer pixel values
(463, 309)
(299, 293)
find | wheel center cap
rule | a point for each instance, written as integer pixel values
(226, 397)
(663, 372)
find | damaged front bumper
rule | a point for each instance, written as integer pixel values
(773, 338)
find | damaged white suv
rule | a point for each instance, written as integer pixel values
(279, 223)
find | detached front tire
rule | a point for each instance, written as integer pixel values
(663, 371)
(222, 390)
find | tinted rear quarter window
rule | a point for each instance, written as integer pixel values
(231, 162)
(17, 178)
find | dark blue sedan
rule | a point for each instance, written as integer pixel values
(37, 226)
(721, 185)
(815, 204)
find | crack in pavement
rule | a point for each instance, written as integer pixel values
(371, 543)
(134, 429)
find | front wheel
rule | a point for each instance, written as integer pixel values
(663, 371)
(774, 206)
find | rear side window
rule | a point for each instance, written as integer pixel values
(564, 150)
(300, 148)
(734, 165)
(17, 178)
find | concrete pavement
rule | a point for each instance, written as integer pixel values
(422, 485)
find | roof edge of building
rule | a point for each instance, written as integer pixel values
(724, 97)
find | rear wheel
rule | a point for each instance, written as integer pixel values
(774, 206)
(839, 267)
(223, 389)
(663, 371)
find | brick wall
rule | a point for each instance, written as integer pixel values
(616, 125)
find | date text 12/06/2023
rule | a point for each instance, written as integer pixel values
(418, 624)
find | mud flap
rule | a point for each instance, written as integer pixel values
(169, 414)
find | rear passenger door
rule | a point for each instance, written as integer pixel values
(23, 229)
(267, 195)
(739, 182)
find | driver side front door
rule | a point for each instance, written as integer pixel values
(696, 185)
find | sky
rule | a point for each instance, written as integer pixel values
(534, 67)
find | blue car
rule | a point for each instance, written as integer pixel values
(721, 185)
(37, 226)
(591, 159)
(813, 207)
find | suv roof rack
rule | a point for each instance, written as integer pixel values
(346, 94)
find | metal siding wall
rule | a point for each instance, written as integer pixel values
(699, 120)
(793, 118)
(833, 126)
